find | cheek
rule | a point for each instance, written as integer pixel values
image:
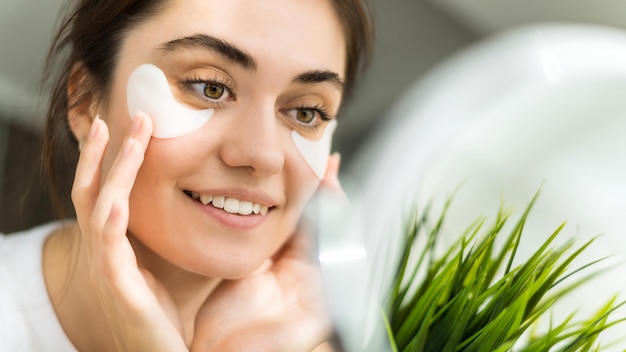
(165, 162)
(154, 184)
(155, 199)
(301, 182)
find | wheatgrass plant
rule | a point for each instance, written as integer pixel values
(473, 298)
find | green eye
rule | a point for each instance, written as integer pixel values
(213, 91)
(305, 116)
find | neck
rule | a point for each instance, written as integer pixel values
(75, 299)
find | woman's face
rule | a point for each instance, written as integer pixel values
(282, 62)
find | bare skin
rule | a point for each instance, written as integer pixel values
(94, 280)
(146, 267)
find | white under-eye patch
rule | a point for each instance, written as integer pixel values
(148, 90)
(316, 153)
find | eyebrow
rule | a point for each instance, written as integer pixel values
(320, 76)
(207, 42)
(243, 59)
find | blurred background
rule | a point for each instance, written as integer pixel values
(412, 37)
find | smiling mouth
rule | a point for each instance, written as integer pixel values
(229, 204)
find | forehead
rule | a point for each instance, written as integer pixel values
(297, 34)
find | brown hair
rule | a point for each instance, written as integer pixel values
(91, 35)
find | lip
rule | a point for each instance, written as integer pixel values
(234, 221)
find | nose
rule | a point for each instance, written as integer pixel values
(252, 141)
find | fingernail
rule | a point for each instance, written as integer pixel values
(94, 128)
(334, 166)
(136, 126)
(337, 156)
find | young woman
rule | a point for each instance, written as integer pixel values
(201, 126)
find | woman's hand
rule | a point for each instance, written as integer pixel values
(280, 307)
(139, 311)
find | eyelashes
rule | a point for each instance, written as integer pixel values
(206, 89)
(320, 109)
(308, 117)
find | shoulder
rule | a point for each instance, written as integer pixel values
(24, 302)
(26, 237)
(23, 248)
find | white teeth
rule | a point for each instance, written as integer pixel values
(218, 202)
(245, 208)
(231, 205)
(236, 206)
(206, 199)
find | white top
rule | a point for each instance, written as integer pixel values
(27, 319)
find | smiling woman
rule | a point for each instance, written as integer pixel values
(204, 129)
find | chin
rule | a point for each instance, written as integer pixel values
(223, 261)
(227, 269)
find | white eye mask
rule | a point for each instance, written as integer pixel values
(147, 90)
(316, 153)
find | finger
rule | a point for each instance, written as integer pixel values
(87, 178)
(116, 258)
(263, 268)
(302, 245)
(112, 251)
(330, 183)
(123, 172)
(110, 254)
